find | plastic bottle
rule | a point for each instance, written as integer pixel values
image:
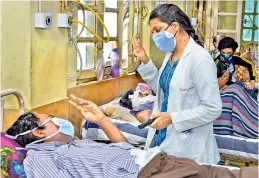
(115, 70)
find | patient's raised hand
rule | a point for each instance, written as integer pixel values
(89, 110)
(92, 113)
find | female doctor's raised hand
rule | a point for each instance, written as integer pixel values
(89, 110)
(139, 51)
(162, 121)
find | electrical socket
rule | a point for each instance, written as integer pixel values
(43, 20)
(63, 20)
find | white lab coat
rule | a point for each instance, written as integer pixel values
(194, 103)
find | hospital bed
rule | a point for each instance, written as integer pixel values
(135, 136)
(232, 148)
(240, 151)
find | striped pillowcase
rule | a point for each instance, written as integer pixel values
(134, 135)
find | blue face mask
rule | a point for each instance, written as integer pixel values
(165, 41)
(226, 58)
(65, 127)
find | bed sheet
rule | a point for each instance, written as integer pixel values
(227, 144)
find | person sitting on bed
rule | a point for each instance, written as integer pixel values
(226, 61)
(216, 52)
(239, 115)
(61, 156)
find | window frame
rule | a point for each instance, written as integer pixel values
(254, 26)
(99, 7)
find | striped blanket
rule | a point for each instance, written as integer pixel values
(239, 113)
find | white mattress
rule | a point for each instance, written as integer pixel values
(238, 146)
(231, 145)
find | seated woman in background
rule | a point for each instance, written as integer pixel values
(226, 62)
(239, 110)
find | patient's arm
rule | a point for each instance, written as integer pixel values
(144, 115)
(92, 113)
(112, 131)
(223, 80)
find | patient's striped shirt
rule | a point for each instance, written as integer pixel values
(80, 158)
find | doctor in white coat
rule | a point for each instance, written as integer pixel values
(186, 87)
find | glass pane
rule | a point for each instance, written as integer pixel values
(232, 35)
(111, 3)
(126, 10)
(136, 3)
(249, 6)
(107, 49)
(89, 22)
(125, 43)
(125, 34)
(87, 53)
(256, 20)
(227, 22)
(89, 2)
(125, 51)
(256, 35)
(257, 7)
(247, 35)
(248, 22)
(228, 6)
(110, 20)
(135, 25)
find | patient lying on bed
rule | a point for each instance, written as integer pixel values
(139, 101)
(52, 151)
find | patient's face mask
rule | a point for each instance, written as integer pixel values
(65, 127)
(137, 100)
(226, 58)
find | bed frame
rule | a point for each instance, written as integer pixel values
(237, 159)
(100, 93)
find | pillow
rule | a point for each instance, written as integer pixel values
(113, 102)
(116, 111)
(12, 156)
(131, 131)
(119, 113)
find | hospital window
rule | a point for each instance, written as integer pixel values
(250, 21)
(88, 44)
(130, 27)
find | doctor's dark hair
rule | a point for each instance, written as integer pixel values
(228, 42)
(25, 122)
(169, 13)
